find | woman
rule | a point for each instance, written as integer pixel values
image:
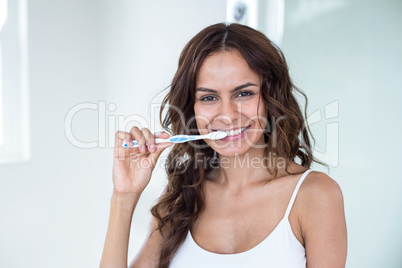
(241, 201)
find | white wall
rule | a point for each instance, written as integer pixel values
(143, 42)
(54, 209)
(48, 211)
(350, 52)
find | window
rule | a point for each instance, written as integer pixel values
(14, 121)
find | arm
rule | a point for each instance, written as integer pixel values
(148, 256)
(116, 245)
(323, 223)
(132, 170)
(115, 250)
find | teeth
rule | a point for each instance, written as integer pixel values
(235, 132)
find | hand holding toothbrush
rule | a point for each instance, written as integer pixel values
(140, 150)
(133, 166)
(217, 135)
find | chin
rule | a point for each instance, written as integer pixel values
(233, 152)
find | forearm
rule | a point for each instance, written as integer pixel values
(115, 251)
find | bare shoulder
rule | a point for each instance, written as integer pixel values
(319, 187)
(319, 195)
(322, 221)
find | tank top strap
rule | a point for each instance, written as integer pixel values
(292, 199)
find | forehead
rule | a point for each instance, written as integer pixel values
(225, 69)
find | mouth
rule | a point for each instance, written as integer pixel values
(233, 132)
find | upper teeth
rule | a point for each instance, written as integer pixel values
(235, 132)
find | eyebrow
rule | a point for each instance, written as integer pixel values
(231, 91)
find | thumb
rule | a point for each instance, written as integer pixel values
(153, 157)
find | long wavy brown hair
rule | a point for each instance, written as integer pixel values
(183, 200)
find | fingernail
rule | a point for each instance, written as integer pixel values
(152, 148)
(143, 148)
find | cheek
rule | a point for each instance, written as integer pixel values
(262, 116)
(258, 116)
(202, 118)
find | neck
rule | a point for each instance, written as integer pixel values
(250, 168)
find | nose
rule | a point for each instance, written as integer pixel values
(228, 112)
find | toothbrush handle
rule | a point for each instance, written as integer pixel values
(174, 139)
(159, 140)
(135, 143)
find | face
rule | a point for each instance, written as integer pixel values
(228, 98)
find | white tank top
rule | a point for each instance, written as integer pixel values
(280, 249)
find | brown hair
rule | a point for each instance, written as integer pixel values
(179, 207)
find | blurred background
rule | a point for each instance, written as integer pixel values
(90, 67)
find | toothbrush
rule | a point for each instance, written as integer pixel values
(217, 135)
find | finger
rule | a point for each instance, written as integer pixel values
(153, 157)
(139, 137)
(163, 145)
(150, 140)
(161, 134)
(120, 136)
(120, 152)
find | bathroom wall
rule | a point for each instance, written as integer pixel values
(118, 56)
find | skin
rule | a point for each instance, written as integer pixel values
(241, 210)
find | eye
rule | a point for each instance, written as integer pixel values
(245, 94)
(207, 98)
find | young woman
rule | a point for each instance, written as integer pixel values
(241, 201)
